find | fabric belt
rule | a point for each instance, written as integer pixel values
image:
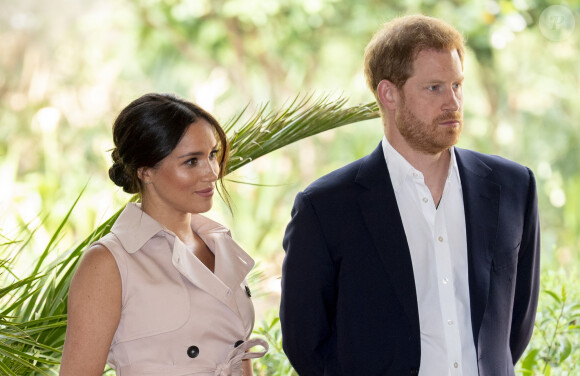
(232, 366)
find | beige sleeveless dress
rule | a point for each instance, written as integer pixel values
(178, 318)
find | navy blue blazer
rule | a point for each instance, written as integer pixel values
(349, 304)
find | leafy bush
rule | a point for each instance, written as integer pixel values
(275, 361)
(555, 345)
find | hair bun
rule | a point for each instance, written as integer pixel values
(118, 174)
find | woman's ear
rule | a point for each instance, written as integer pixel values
(143, 173)
(388, 94)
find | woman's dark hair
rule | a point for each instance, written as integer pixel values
(148, 129)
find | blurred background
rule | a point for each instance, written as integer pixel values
(67, 67)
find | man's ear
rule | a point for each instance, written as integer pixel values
(388, 94)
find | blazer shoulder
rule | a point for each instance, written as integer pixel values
(498, 167)
(336, 180)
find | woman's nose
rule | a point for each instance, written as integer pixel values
(212, 170)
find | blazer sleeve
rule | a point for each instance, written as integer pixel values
(308, 301)
(528, 276)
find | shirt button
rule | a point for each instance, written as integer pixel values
(193, 351)
(425, 199)
(440, 239)
(445, 280)
(449, 322)
(456, 365)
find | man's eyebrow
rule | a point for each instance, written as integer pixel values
(437, 81)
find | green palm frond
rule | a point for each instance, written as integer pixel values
(266, 131)
(33, 309)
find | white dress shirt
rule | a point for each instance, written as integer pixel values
(438, 246)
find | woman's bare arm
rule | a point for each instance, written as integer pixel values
(247, 367)
(94, 310)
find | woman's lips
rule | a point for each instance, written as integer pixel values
(205, 192)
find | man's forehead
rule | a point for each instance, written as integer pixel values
(432, 62)
(422, 53)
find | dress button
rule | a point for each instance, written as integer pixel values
(238, 343)
(193, 351)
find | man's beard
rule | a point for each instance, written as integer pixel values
(428, 138)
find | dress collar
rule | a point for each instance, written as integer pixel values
(134, 228)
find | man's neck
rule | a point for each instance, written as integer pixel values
(434, 167)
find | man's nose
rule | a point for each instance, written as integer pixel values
(452, 100)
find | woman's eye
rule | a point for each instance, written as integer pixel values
(213, 154)
(191, 162)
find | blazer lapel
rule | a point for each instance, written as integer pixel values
(379, 209)
(481, 203)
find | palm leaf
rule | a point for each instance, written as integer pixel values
(266, 131)
(33, 309)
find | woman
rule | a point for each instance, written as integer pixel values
(164, 293)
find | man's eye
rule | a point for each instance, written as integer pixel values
(433, 88)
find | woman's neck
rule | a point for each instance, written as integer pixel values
(177, 222)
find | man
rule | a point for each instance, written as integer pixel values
(420, 258)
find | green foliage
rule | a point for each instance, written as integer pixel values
(33, 309)
(555, 347)
(68, 67)
(266, 132)
(275, 361)
(33, 316)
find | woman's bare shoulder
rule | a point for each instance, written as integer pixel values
(99, 255)
(98, 268)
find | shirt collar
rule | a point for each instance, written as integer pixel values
(453, 168)
(399, 168)
(134, 228)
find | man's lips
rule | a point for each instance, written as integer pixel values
(208, 192)
(450, 122)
